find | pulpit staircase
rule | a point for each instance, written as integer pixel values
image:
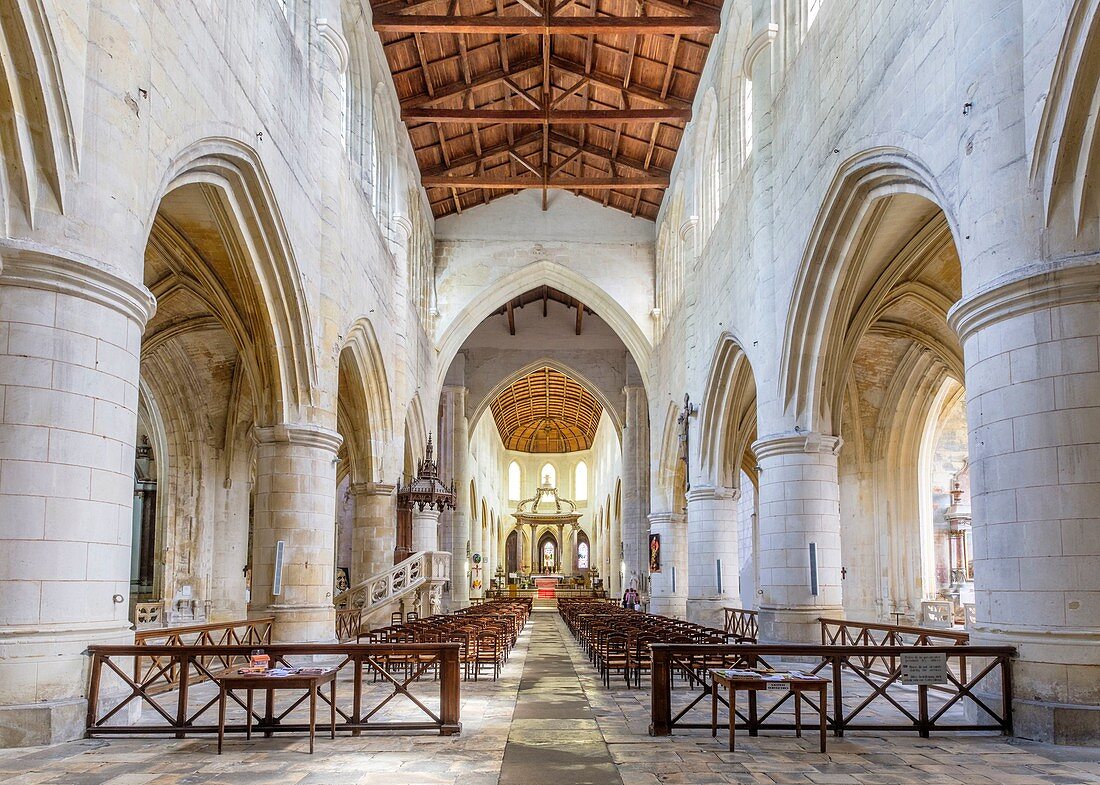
(415, 584)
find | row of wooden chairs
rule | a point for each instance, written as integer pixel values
(486, 635)
(617, 640)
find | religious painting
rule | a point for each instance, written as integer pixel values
(654, 553)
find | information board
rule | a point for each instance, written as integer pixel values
(921, 668)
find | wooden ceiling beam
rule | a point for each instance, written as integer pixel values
(556, 117)
(554, 25)
(590, 149)
(559, 183)
(487, 154)
(636, 90)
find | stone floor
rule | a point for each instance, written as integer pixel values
(549, 720)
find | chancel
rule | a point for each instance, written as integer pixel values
(550, 392)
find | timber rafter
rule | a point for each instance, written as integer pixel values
(588, 96)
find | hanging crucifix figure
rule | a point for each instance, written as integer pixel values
(688, 410)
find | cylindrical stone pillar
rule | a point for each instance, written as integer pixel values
(616, 569)
(425, 529)
(799, 524)
(1033, 409)
(477, 545)
(456, 443)
(667, 595)
(635, 490)
(713, 564)
(296, 506)
(70, 337)
(374, 533)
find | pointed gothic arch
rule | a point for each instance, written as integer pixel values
(830, 284)
(451, 336)
(229, 178)
(727, 418)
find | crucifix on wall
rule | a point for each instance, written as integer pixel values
(688, 410)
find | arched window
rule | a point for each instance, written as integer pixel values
(812, 8)
(382, 153)
(549, 475)
(747, 116)
(580, 482)
(515, 484)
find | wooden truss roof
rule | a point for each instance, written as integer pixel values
(543, 294)
(590, 96)
(546, 412)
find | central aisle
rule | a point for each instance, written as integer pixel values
(554, 739)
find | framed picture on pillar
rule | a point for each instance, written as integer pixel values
(654, 553)
(343, 579)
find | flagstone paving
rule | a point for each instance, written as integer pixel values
(550, 720)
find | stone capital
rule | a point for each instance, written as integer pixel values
(794, 443)
(1031, 288)
(371, 489)
(34, 268)
(761, 41)
(334, 43)
(666, 518)
(303, 434)
(705, 493)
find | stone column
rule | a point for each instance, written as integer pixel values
(667, 595)
(615, 557)
(70, 338)
(425, 529)
(799, 506)
(477, 545)
(712, 554)
(295, 505)
(568, 551)
(1033, 407)
(635, 488)
(374, 533)
(456, 444)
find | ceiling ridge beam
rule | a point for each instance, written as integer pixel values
(557, 183)
(555, 117)
(552, 25)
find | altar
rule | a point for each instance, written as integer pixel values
(546, 585)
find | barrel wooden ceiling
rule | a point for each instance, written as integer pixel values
(546, 412)
(589, 96)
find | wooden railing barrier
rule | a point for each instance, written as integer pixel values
(742, 624)
(877, 667)
(397, 665)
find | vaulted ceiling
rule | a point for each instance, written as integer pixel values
(546, 412)
(589, 96)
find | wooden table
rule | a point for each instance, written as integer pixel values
(742, 680)
(297, 681)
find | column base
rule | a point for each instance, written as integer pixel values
(50, 661)
(673, 606)
(795, 625)
(709, 611)
(1055, 680)
(301, 623)
(37, 724)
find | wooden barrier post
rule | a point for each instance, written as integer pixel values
(449, 700)
(661, 692)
